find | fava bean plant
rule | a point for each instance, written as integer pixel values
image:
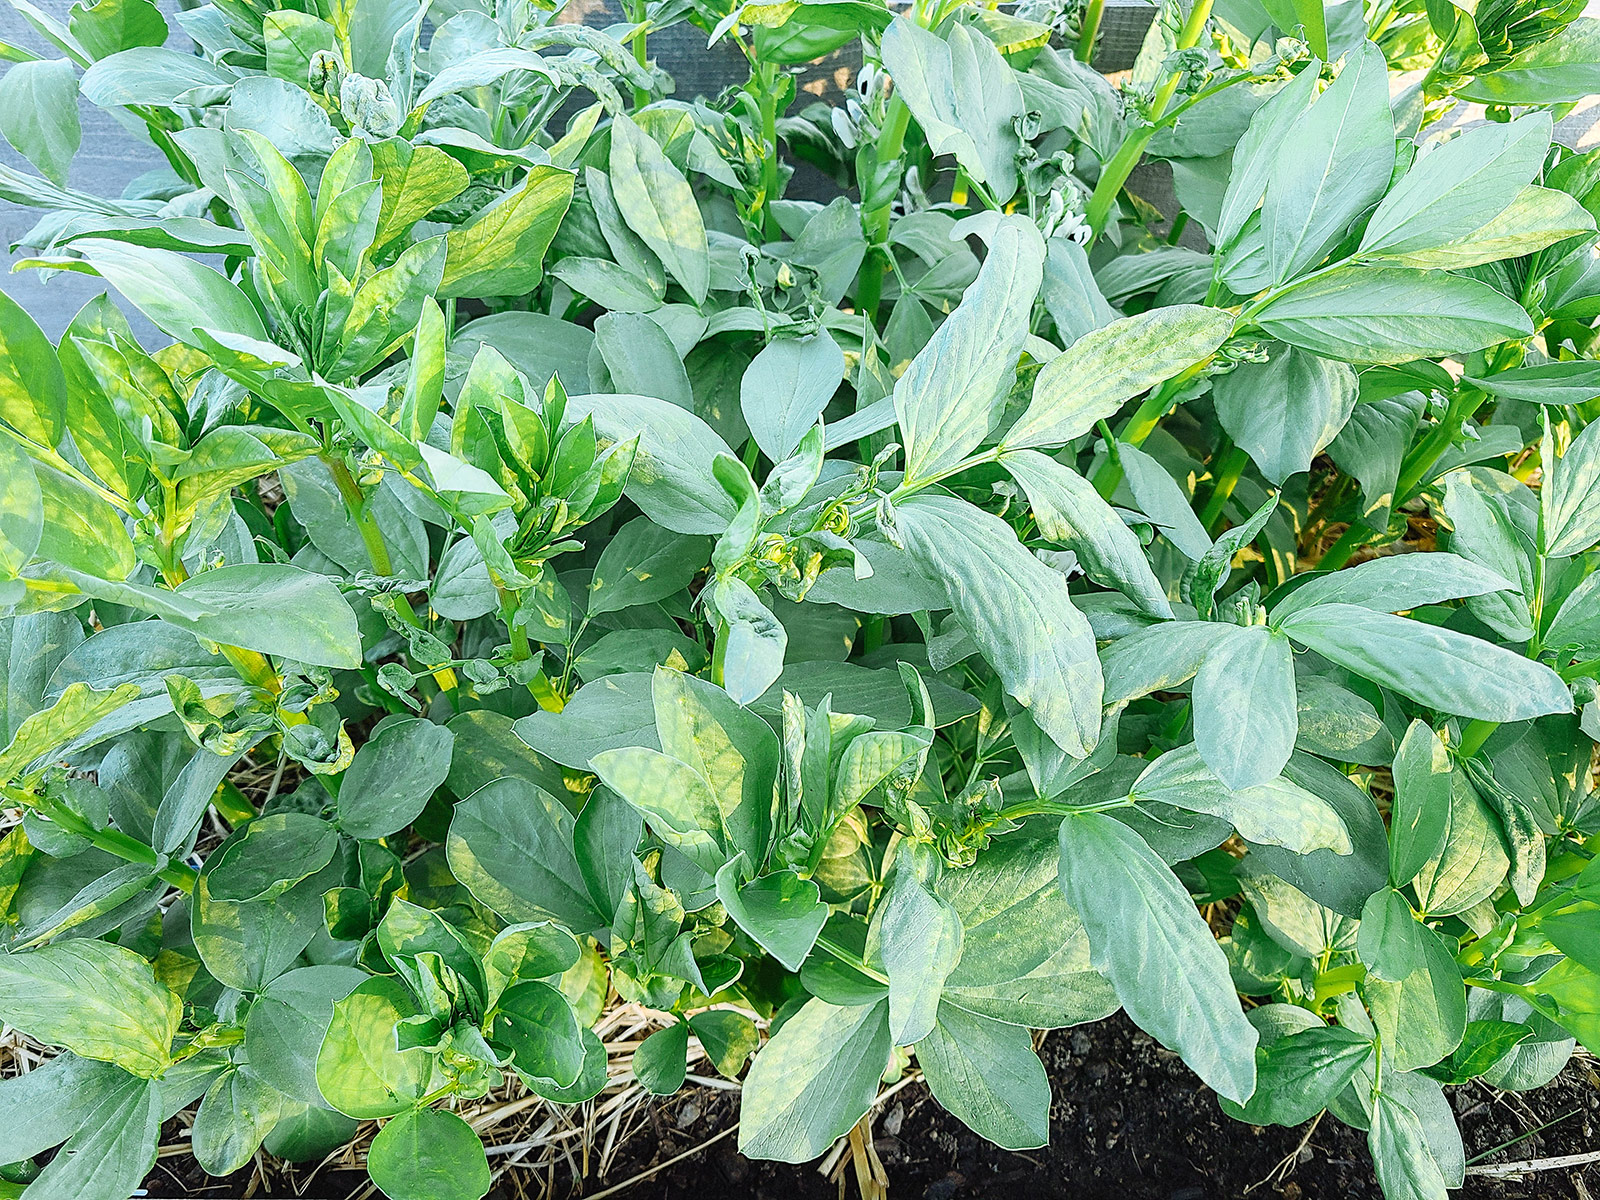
(862, 632)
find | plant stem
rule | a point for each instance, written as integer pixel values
(1232, 464)
(355, 503)
(636, 14)
(1131, 151)
(1142, 424)
(1091, 30)
(113, 841)
(875, 220)
(1474, 736)
(539, 687)
(767, 98)
(1420, 462)
(1339, 553)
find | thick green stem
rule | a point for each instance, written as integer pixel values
(1132, 150)
(1142, 424)
(875, 220)
(636, 14)
(1474, 736)
(1231, 466)
(767, 74)
(1420, 462)
(1351, 540)
(1091, 30)
(355, 502)
(112, 841)
(539, 687)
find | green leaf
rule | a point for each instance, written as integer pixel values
(33, 390)
(1389, 941)
(1016, 609)
(1441, 668)
(1571, 514)
(1287, 410)
(288, 1020)
(308, 1134)
(1420, 820)
(536, 1024)
(916, 935)
(1457, 187)
(47, 1105)
(427, 1154)
(98, 1000)
(661, 1062)
(1333, 166)
(1024, 953)
(814, 1080)
(392, 777)
(108, 26)
(1560, 70)
(157, 75)
(963, 94)
(510, 844)
(275, 609)
(1536, 218)
(671, 479)
(1392, 314)
(733, 749)
(728, 1037)
(500, 251)
(1401, 1155)
(245, 946)
(1245, 715)
(1096, 375)
(640, 357)
(785, 388)
(658, 205)
(39, 114)
(955, 388)
(1297, 1075)
(112, 1151)
(239, 1110)
(178, 294)
(1472, 862)
(1147, 937)
(1422, 1017)
(78, 708)
(1276, 812)
(1485, 530)
(276, 852)
(1572, 382)
(1068, 510)
(987, 1074)
(1256, 154)
(752, 641)
(675, 800)
(1307, 15)
(1393, 582)
(781, 911)
(360, 1069)
(642, 563)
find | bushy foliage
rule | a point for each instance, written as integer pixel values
(862, 631)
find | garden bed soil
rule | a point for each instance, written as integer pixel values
(1129, 1122)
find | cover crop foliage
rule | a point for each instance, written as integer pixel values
(861, 631)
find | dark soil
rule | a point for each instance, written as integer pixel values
(1130, 1122)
